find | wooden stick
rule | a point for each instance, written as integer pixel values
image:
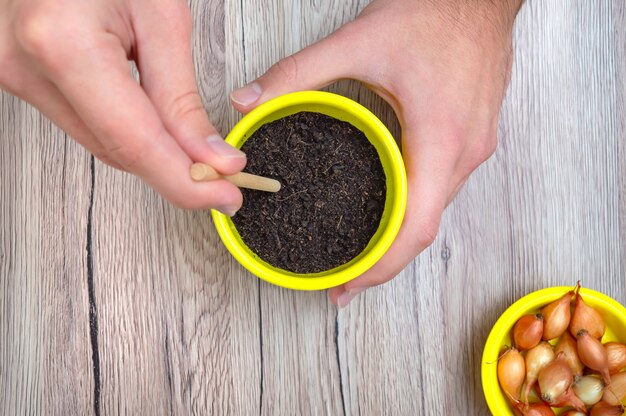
(201, 172)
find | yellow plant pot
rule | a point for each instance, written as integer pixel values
(343, 109)
(499, 338)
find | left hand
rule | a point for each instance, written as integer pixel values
(443, 67)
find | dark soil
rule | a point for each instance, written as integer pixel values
(332, 196)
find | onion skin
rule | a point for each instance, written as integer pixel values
(587, 318)
(556, 317)
(511, 373)
(589, 389)
(536, 359)
(605, 409)
(534, 409)
(616, 353)
(567, 344)
(573, 413)
(615, 393)
(555, 378)
(592, 354)
(527, 331)
(569, 399)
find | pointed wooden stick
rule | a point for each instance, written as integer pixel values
(201, 172)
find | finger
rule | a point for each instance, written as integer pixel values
(43, 95)
(91, 71)
(429, 169)
(163, 38)
(314, 67)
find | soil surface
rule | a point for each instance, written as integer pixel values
(332, 195)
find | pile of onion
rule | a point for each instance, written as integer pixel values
(559, 361)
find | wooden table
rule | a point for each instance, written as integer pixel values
(114, 302)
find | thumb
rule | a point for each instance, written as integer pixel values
(168, 77)
(312, 68)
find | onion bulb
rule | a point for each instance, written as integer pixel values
(511, 373)
(567, 344)
(527, 331)
(536, 358)
(585, 317)
(605, 409)
(555, 378)
(616, 353)
(573, 413)
(569, 398)
(592, 353)
(589, 389)
(556, 316)
(615, 393)
(534, 409)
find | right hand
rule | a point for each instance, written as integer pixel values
(70, 60)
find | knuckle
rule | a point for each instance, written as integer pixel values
(104, 157)
(427, 232)
(176, 18)
(40, 35)
(184, 19)
(186, 105)
(381, 279)
(12, 78)
(184, 203)
(287, 68)
(490, 144)
(484, 148)
(126, 156)
(35, 31)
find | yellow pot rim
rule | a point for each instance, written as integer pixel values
(323, 280)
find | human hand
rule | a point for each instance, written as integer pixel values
(443, 66)
(70, 60)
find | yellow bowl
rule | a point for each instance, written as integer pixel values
(395, 204)
(499, 338)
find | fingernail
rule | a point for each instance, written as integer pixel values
(223, 149)
(227, 210)
(246, 95)
(346, 297)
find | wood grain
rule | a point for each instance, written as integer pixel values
(114, 302)
(45, 352)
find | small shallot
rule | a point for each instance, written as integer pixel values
(534, 409)
(556, 316)
(589, 389)
(592, 353)
(569, 398)
(527, 331)
(573, 413)
(536, 358)
(555, 378)
(605, 409)
(567, 344)
(615, 393)
(616, 353)
(511, 373)
(587, 318)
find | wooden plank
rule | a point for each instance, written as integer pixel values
(619, 30)
(162, 279)
(245, 355)
(45, 351)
